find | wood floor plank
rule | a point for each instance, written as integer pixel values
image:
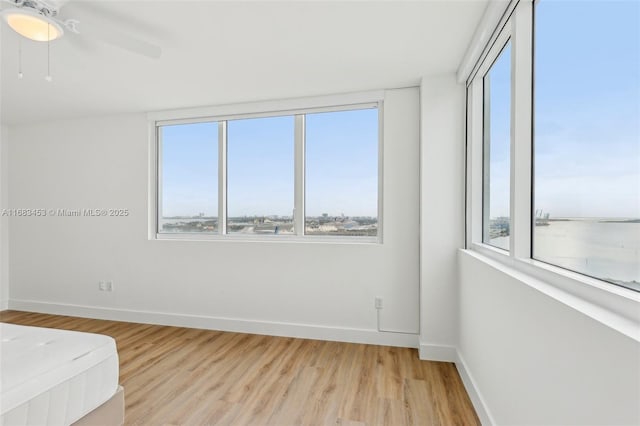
(297, 398)
(388, 375)
(389, 412)
(268, 395)
(362, 397)
(460, 410)
(419, 404)
(182, 376)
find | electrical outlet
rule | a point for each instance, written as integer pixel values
(105, 285)
(378, 303)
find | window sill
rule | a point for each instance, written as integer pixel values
(611, 305)
(287, 239)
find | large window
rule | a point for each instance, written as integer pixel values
(308, 172)
(342, 173)
(554, 141)
(496, 156)
(587, 138)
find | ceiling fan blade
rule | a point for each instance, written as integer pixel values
(123, 41)
(79, 42)
(97, 12)
(13, 2)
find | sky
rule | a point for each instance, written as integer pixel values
(260, 167)
(587, 112)
(342, 163)
(497, 84)
(189, 169)
(587, 108)
(341, 166)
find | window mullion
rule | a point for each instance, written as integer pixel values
(486, 158)
(521, 118)
(222, 177)
(380, 170)
(475, 160)
(299, 159)
(158, 147)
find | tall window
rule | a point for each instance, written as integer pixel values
(587, 144)
(496, 152)
(553, 142)
(307, 173)
(342, 173)
(260, 175)
(188, 178)
(587, 138)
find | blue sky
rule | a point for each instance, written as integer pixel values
(497, 83)
(587, 109)
(341, 164)
(190, 169)
(260, 167)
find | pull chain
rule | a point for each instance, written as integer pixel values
(20, 75)
(48, 77)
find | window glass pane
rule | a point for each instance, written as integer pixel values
(260, 175)
(341, 168)
(496, 158)
(189, 178)
(587, 138)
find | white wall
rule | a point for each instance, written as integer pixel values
(4, 252)
(307, 289)
(4, 221)
(536, 361)
(441, 217)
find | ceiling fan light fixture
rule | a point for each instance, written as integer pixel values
(32, 25)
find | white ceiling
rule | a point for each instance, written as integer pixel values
(227, 52)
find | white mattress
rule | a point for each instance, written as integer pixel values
(52, 376)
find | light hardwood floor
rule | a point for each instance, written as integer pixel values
(175, 375)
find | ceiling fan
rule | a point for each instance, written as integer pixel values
(39, 20)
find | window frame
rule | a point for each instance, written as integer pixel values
(297, 108)
(615, 306)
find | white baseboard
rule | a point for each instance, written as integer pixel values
(474, 393)
(427, 351)
(431, 352)
(304, 331)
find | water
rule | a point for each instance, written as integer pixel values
(188, 225)
(605, 250)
